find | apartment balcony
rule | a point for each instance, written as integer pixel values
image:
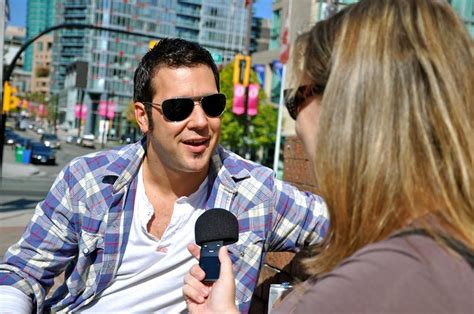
(67, 42)
(188, 36)
(188, 12)
(196, 2)
(194, 25)
(75, 4)
(74, 15)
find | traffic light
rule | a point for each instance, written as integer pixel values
(10, 101)
(152, 44)
(7, 96)
(242, 66)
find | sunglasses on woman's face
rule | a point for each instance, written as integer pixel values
(178, 109)
(303, 92)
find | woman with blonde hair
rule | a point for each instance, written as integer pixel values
(393, 153)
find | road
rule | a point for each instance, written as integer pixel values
(19, 195)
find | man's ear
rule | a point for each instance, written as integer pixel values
(141, 117)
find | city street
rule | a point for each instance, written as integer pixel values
(23, 185)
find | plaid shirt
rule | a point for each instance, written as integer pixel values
(83, 224)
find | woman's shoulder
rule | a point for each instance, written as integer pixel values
(410, 249)
(410, 273)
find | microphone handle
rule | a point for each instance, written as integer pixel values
(209, 260)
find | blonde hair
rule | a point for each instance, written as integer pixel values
(318, 41)
(395, 141)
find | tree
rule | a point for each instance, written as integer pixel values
(36, 99)
(261, 133)
(130, 115)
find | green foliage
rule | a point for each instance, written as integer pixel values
(52, 108)
(261, 130)
(130, 115)
(36, 97)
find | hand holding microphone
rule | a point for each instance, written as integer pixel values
(214, 229)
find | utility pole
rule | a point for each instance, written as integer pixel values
(249, 4)
(3, 118)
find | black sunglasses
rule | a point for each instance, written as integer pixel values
(178, 109)
(293, 102)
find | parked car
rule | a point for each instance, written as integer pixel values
(73, 139)
(128, 138)
(23, 142)
(41, 154)
(40, 130)
(50, 140)
(10, 137)
(88, 140)
(23, 125)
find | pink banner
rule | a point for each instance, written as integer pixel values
(111, 110)
(80, 110)
(107, 109)
(253, 100)
(102, 108)
(42, 110)
(77, 111)
(84, 111)
(239, 96)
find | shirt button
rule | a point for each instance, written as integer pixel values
(162, 249)
(85, 251)
(242, 254)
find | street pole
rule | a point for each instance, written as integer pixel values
(246, 95)
(81, 100)
(3, 114)
(276, 156)
(104, 124)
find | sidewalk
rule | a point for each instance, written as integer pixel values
(17, 170)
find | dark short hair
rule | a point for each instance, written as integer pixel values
(169, 52)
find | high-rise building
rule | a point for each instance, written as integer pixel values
(13, 40)
(40, 74)
(218, 25)
(260, 34)
(39, 16)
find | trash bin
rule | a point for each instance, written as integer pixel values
(26, 156)
(19, 154)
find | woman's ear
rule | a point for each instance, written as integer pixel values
(141, 117)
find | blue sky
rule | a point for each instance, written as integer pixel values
(263, 8)
(17, 12)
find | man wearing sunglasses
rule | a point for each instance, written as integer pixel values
(118, 222)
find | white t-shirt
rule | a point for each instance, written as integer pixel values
(150, 277)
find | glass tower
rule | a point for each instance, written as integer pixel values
(39, 16)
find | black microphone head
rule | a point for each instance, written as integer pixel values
(217, 224)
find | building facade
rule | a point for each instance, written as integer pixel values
(39, 16)
(41, 70)
(13, 40)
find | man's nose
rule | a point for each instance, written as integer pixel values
(198, 117)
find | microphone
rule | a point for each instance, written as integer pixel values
(214, 228)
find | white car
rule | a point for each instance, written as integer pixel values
(88, 140)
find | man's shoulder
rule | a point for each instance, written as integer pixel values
(239, 166)
(112, 162)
